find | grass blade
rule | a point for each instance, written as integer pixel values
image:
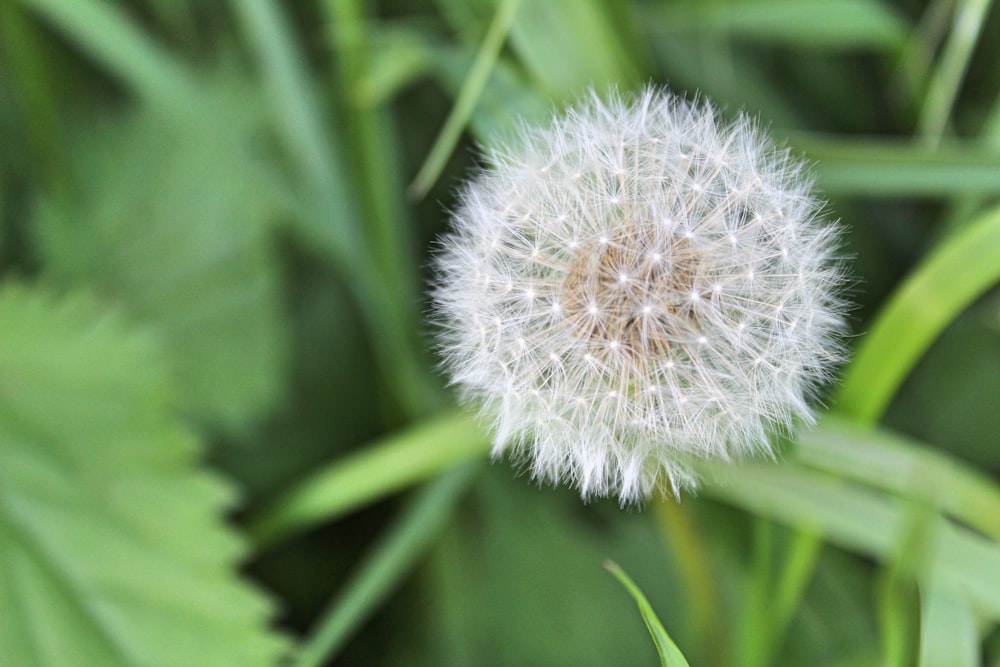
(864, 521)
(373, 472)
(461, 111)
(670, 655)
(949, 633)
(895, 168)
(809, 24)
(956, 272)
(943, 90)
(903, 467)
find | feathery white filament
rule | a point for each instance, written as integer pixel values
(635, 286)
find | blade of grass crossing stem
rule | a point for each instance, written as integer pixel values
(670, 655)
(121, 47)
(386, 565)
(951, 277)
(864, 521)
(903, 467)
(469, 94)
(948, 75)
(897, 597)
(372, 473)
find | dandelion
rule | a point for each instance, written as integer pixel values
(635, 287)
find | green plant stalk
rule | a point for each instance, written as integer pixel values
(398, 549)
(469, 94)
(756, 628)
(943, 90)
(698, 575)
(371, 473)
(964, 266)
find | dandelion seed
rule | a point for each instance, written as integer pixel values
(671, 303)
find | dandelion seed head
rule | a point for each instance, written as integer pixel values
(692, 288)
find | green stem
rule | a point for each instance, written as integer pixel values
(369, 136)
(700, 580)
(965, 29)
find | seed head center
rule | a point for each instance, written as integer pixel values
(630, 293)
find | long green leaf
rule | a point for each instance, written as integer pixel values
(330, 217)
(955, 273)
(864, 521)
(806, 24)
(896, 168)
(570, 45)
(670, 655)
(296, 114)
(949, 634)
(113, 548)
(373, 472)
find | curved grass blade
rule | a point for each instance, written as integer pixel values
(955, 273)
(670, 655)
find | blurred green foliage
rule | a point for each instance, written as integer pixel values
(213, 287)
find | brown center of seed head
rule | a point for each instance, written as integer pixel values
(632, 294)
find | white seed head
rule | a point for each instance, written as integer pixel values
(684, 294)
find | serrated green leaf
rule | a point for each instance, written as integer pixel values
(670, 655)
(172, 218)
(112, 547)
